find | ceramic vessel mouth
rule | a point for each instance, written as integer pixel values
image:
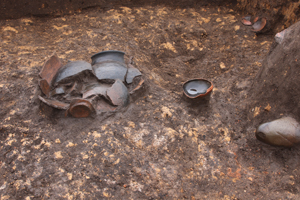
(249, 20)
(110, 55)
(80, 108)
(197, 88)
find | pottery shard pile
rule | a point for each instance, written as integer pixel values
(82, 88)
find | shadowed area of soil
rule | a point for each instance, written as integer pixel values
(26, 8)
(162, 146)
(280, 14)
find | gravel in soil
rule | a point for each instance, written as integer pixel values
(163, 145)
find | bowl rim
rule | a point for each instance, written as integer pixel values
(108, 51)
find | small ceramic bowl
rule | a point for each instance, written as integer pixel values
(197, 88)
(259, 25)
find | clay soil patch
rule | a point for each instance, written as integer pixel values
(162, 146)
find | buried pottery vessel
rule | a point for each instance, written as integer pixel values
(197, 88)
(281, 132)
(109, 65)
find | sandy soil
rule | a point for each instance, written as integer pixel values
(162, 146)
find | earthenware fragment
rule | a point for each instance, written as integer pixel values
(72, 69)
(247, 20)
(110, 71)
(131, 74)
(48, 73)
(75, 90)
(280, 132)
(57, 91)
(54, 103)
(136, 84)
(118, 94)
(95, 89)
(45, 87)
(109, 65)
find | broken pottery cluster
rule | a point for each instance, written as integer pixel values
(82, 88)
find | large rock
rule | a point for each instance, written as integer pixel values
(277, 84)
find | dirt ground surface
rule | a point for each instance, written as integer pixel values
(162, 146)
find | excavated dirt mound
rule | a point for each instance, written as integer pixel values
(162, 146)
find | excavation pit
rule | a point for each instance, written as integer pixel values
(159, 146)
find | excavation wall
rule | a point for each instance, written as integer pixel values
(19, 8)
(276, 86)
